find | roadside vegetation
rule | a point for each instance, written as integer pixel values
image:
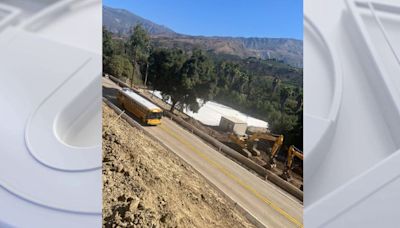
(267, 89)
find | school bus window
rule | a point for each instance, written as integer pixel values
(154, 115)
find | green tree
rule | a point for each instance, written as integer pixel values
(284, 95)
(164, 72)
(121, 67)
(138, 46)
(182, 79)
(281, 123)
(118, 46)
(299, 100)
(228, 75)
(295, 136)
(108, 49)
(275, 84)
(197, 79)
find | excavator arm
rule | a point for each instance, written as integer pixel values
(278, 142)
(240, 140)
(275, 149)
(249, 142)
(292, 153)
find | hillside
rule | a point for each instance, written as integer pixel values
(290, 51)
(120, 21)
(152, 187)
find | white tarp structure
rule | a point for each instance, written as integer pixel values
(210, 114)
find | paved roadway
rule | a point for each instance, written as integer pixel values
(267, 203)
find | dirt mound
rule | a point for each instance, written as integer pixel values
(147, 186)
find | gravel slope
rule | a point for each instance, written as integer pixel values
(147, 186)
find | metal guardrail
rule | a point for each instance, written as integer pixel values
(116, 80)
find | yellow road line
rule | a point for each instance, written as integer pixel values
(233, 177)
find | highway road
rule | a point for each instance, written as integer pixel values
(270, 205)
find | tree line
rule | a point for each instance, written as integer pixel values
(266, 89)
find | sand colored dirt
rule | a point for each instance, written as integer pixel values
(146, 185)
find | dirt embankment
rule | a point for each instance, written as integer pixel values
(147, 186)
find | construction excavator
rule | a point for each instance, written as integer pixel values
(249, 142)
(291, 154)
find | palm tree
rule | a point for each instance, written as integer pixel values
(275, 84)
(284, 95)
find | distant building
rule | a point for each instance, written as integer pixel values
(232, 124)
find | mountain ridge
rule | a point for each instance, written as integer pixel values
(288, 50)
(121, 22)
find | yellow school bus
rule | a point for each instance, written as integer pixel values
(146, 111)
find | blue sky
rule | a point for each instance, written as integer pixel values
(247, 18)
